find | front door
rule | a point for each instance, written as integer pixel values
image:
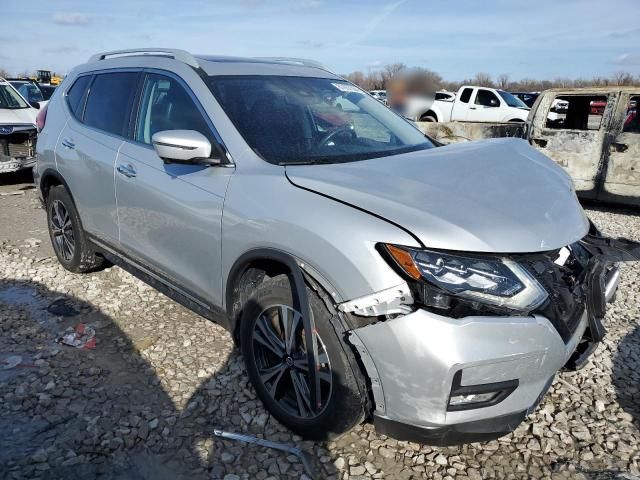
(170, 214)
(484, 107)
(575, 139)
(622, 177)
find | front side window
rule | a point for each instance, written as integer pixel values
(166, 105)
(301, 120)
(10, 99)
(577, 112)
(109, 102)
(487, 98)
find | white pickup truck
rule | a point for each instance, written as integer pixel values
(471, 104)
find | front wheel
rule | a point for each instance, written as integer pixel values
(275, 350)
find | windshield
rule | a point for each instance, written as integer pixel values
(11, 99)
(299, 120)
(511, 100)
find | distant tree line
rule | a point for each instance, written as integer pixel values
(423, 80)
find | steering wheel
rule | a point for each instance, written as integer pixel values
(336, 131)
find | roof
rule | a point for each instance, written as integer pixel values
(587, 90)
(218, 64)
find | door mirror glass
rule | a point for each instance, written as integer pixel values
(183, 146)
(35, 105)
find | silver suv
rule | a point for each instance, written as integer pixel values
(364, 272)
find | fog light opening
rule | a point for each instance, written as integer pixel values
(468, 397)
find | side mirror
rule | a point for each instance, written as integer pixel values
(35, 105)
(183, 146)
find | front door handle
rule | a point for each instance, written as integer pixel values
(126, 170)
(618, 147)
(541, 142)
(68, 143)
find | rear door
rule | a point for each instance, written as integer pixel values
(622, 178)
(170, 215)
(461, 105)
(99, 107)
(575, 139)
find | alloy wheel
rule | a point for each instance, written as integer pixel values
(282, 357)
(62, 230)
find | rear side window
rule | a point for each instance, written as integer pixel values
(465, 96)
(75, 95)
(109, 103)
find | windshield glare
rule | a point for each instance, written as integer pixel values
(511, 100)
(11, 99)
(299, 120)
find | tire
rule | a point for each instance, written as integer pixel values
(68, 239)
(428, 118)
(342, 404)
(516, 120)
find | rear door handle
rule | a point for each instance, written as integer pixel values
(126, 170)
(541, 142)
(68, 143)
(619, 147)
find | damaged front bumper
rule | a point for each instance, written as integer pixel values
(424, 366)
(17, 147)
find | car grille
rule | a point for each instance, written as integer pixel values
(18, 145)
(566, 285)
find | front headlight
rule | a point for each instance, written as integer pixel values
(492, 280)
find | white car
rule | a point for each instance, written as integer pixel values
(471, 104)
(379, 95)
(30, 91)
(18, 130)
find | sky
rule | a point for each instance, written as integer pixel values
(456, 38)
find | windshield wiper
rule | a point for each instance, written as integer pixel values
(315, 161)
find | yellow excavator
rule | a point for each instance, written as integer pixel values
(46, 76)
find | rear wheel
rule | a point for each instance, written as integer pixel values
(428, 117)
(276, 354)
(67, 236)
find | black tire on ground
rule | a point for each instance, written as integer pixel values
(75, 253)
(344, 406)
(517, 120)
(428, 117)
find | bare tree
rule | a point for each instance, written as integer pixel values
(483, 80)
(622, 78)
(4, 73)
(502, 81)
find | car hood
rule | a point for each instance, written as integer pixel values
(18, 116)
(496, 195)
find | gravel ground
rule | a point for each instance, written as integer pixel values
(143, 404)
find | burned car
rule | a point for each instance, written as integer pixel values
(17, 130)
(363, 272)
(596, 139)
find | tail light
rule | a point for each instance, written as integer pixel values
(41, 118)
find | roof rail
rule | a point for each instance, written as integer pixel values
(297, 61)
(179, 55)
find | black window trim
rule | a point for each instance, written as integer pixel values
(218, 143)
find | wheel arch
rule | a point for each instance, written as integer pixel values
(430, 113)
(251, 267)
(51, 178)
